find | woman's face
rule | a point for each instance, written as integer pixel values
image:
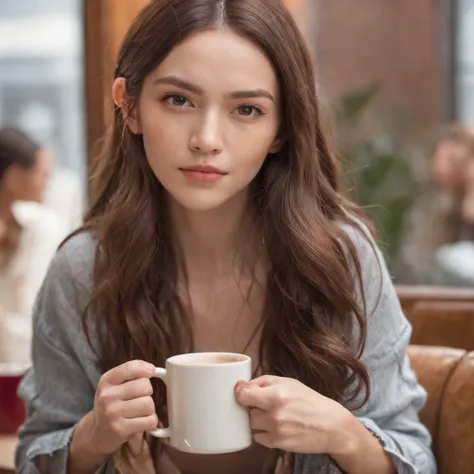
(209, 115)
(28, 184)
(449, 164)
(468, 202)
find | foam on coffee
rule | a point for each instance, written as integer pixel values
(214, 360)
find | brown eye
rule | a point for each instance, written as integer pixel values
(176, 100)
(179, 100)
(249, 111)
(246, 110)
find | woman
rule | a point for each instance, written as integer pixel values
(467, 208)
(439, 220)
(456, 259)
(29, 236)
(218, 225)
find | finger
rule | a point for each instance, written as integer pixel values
(265, 381)
(131, 370)
(253, 397)
(259, 420)
(265, 439)
(141, 424)
(137, 408)
(135, 389)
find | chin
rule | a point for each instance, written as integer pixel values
(199, 203)
(199, 207)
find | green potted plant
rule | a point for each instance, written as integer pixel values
(379, 175)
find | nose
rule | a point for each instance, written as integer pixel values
(206, 138)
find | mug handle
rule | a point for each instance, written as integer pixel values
(160, 432)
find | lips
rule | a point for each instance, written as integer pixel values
(204, 169)
(203, 173)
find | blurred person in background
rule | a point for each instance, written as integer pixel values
(451, 156)
(439, 219)
(450, 164)
(468, 203)
(63, 192)
(457, 259)
(29, 236)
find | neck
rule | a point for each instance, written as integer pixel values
(210, 241)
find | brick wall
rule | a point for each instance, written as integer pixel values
(395, 41)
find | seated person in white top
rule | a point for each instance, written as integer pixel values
(29, 236)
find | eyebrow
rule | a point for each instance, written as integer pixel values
(182, 84)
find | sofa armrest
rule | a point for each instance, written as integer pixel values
(448, 376)
(456, 423)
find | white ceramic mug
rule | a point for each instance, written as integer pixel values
(204, 417)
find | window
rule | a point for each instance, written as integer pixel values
(465, 60)
(41, 75)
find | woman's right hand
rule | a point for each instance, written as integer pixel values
(123, 406)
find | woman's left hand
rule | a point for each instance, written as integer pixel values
(287, 415)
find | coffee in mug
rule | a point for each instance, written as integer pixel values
(204, 416)
(214, 360)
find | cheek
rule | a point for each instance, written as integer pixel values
(35, 186)
(162, 146)
(442, 168)
(251, 149)
(37, 181)
(249, 160)
(161, 132)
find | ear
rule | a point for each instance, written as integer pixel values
(277, 144)
(120, 99)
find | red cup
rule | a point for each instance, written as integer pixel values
(12, 407)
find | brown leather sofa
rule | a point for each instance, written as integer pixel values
(440, 316)
(448, 376)
(443, 319)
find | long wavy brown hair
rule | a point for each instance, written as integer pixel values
(311, 302)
